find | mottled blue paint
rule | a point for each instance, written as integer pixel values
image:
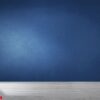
(49, 40)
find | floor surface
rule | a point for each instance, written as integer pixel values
(50, 90)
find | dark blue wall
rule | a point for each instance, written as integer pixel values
(49, 40)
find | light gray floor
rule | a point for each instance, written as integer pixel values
(50, 91)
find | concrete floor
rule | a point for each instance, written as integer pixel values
(50, 90)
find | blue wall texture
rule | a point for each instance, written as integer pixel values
(49, 40)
